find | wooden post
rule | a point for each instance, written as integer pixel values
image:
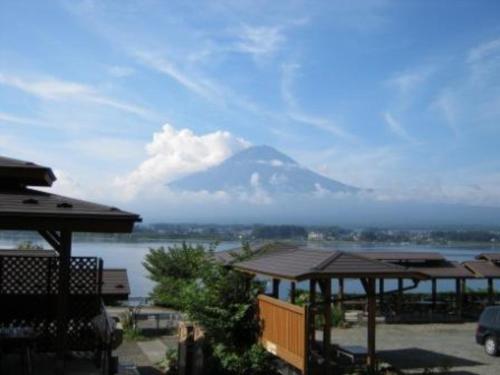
(458, 297)
(312, 311)
(464, 292)
(327, 328)
(341, 294)
(434, 293)
(400, 294)
(276, 288)
(292, 292)
(491, 291)
(381, 291)
(372, 310)
(63, 298)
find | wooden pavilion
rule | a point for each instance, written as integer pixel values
(486, 266)
(55, 218)
(289, 330)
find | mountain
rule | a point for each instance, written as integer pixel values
(260, 167)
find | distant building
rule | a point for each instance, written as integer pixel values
(315, 236)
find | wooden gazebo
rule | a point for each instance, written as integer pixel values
(288, 331)
(55, 218)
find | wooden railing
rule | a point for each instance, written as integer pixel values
(284, 330)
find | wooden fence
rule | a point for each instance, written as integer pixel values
(284, 330)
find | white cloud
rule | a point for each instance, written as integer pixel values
(483, 50)
(259, 41)
(14, 119)
(295, 113)
(255, 180)
(407, 81)
(396, 127)
(120, 71)
(175, 153)
(59, 90)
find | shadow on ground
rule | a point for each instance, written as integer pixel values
(149, 370)
(416, 358)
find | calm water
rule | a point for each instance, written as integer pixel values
(130, 255)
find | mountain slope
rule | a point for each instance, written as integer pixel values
(260, 167)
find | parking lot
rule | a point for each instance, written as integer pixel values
(413, 348)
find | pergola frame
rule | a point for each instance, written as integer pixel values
(320, 268)
(55, 218)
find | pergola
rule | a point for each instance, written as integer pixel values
(433, 265)
(486, 266)
(55, 218)
(319, 267)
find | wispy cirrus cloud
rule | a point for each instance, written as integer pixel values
(295, 113)
(397, 128)
(259, 41)
(483, 50)
(54, 89)
(14, 119)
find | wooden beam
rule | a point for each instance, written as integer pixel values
(372, 310)
(52, 238)
(63, 298)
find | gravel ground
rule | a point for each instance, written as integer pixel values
(412, 348)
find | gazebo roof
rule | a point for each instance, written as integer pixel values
(302, 264)
(27, 209)
(403, 256)
(492, 257)
(24, 173)
(445, 270)
(483, 268)
(22, 208)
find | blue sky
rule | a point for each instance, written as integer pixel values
(399, 96)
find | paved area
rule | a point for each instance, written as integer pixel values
(413, 348)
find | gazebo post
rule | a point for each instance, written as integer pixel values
(292, 292)
(63, 297)
(458, 296)
(312, 312)
(434, 292)
(326, 289)
(370, 288)
(400, 294)
(341, 293)
(381, 291)
(491, 290)
(276, 288)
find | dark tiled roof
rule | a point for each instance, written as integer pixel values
(230, 256)
(301, 264)
(115, 282)
(493, 257)
(29, 209)
(19, 172)
(403, 256)
(445, 270)
(482, 268)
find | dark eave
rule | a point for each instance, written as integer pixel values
(15, 172)
(27, 209)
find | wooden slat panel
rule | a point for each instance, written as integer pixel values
(284, 330)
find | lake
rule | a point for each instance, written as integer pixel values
(130, 255)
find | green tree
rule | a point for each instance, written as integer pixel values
(174, 269)
(224, 304)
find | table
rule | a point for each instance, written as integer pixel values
(356, 353)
